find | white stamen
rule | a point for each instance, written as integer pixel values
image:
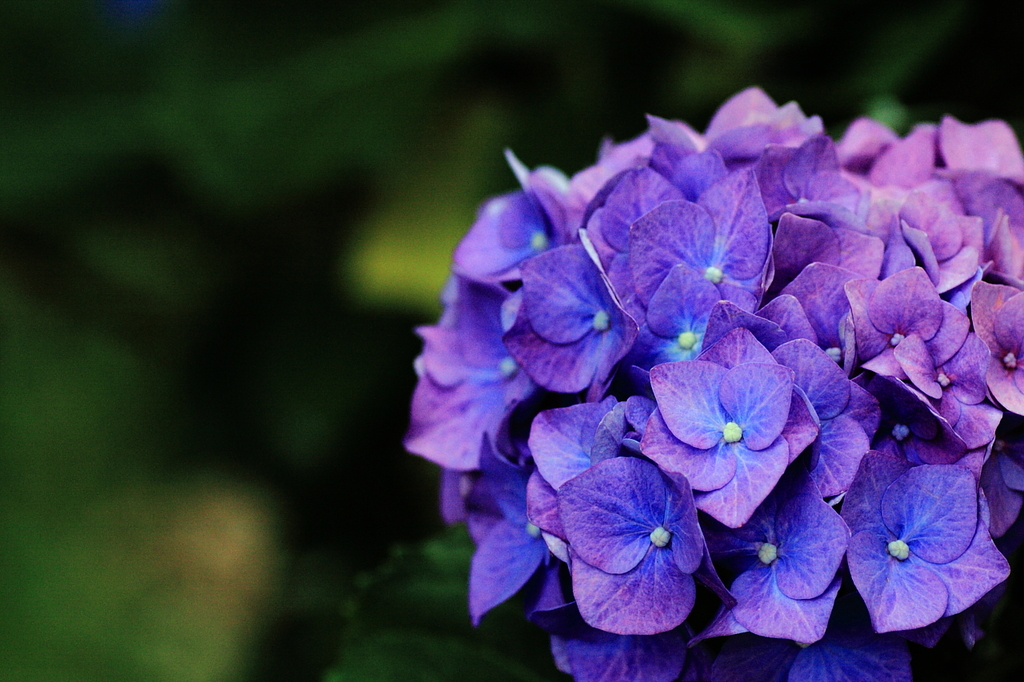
(895, 339)
(943, 380)
(687, 340)
(767, 553)
(532, 530)
(601, 321)
(713, 274)
(835, 353)
(539, 241)
(1010, 361)
(507, 367)
(732, 432)
(898, 550)
(660, 537)
(900, 431)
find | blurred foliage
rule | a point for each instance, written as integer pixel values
(219, 223)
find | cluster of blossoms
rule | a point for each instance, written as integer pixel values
(783, 368)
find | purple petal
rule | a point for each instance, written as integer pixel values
(502, 564)
(610, 510)
(987, 146)
(706, 469)
(934, 509)
(765, 610)
(637, 192)
(737, 347)
(907, 162)
(675, 232)
(862, 505)
(749, 658)
(654, 597)
(542, 505)
(820, 290)
(915, 360)
(787, 312)
(977, 570)
(604, 657)
(726, 316)
(812, 540)
(906, 303)
(688, 398)
(743, 234)
(561, 439)
(883, 659)
(563, 291)
(820, 378)
(838, 453)
(757, 397)
(757, 472)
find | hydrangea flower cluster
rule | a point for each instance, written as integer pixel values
(740, 405)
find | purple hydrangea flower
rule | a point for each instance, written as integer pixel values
(999, 320)
(921, 548)
(570, 331)
(634, 542)
(786, 557)
(509, 548)
(468, 382)
(722, 429)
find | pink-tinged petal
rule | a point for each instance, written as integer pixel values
(886, 364)
(906, 303)
(812, 539)
(707, 469)
(609, 511)
(987, 146)
(977, 570)
(736, 347)
(501, 565)
(976, 424)
(934, 509)
(820, 290)
(864, 139)
(675, 232)
(908, 162)
(762, 608)
(757, 397)
(900, 595)
(688, 397)
(860, 253)
(837, 454)
(951, 335)
(757, 472)
(1008, 327)
(743, 236)
(870, 341)
(654, 597)
(1004, 385)
(542, 505)
(986, 300)
(561, 439)
(744, 108)
(915, 360)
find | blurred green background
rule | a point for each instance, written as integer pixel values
(219, 222)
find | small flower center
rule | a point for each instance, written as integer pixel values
(900, 431)
(538, 241)
(732, 432)
(802, 645)
(660, 537)
(898, 550)
(895, 339)
(687, 340)
(713, 274)
(601, 321)
(1010, 361)
(507, 367)
(943, 380)
(532, 530)
(767, 553)
(835, 353)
